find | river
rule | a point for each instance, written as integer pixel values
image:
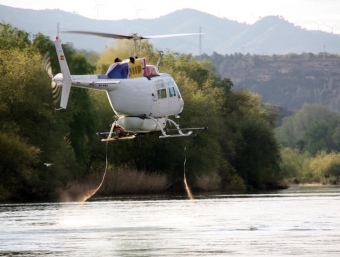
(300, 221)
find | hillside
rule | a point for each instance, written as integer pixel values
(285, 80)
(270, 35)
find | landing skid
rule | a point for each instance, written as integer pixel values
(116, 134)
(178, 129)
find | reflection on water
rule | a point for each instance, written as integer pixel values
(298, 221)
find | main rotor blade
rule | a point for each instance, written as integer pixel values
(134, 36)
(100, 34)
(169, 35)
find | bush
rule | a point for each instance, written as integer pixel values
(301, 167)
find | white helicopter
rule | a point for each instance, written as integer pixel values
(141, 97)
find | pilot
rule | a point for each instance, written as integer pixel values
(117, 60)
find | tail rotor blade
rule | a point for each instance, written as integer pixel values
(56, 89)
(46, 63)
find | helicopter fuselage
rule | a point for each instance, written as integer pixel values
(156, 96)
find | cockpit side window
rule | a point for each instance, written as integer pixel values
(171, 87)
(172, 92)
(177, 90)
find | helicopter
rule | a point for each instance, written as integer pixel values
(141, 97)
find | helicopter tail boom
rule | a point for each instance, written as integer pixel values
(67, 81)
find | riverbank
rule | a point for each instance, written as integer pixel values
(120, 181)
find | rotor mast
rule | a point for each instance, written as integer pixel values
(135, 37)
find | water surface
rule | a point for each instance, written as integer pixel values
(294, 222)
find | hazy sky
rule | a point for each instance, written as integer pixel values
(310, 14)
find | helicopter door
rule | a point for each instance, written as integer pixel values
(162, 96)
(174, 95)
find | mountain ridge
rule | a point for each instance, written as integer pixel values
(269, 35)
(288, 81)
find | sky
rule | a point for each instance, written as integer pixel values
(309, 14)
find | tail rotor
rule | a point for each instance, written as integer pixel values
(56, 87)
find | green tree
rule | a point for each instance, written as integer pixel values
(294, 128)
(32, 132)
(13, 38)
(254, 151)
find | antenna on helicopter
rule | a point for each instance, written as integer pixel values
(58, 31)
(159, 59)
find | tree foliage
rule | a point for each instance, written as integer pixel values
(314, 128)
(301, 167)
(30, 124)
(312, 142)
